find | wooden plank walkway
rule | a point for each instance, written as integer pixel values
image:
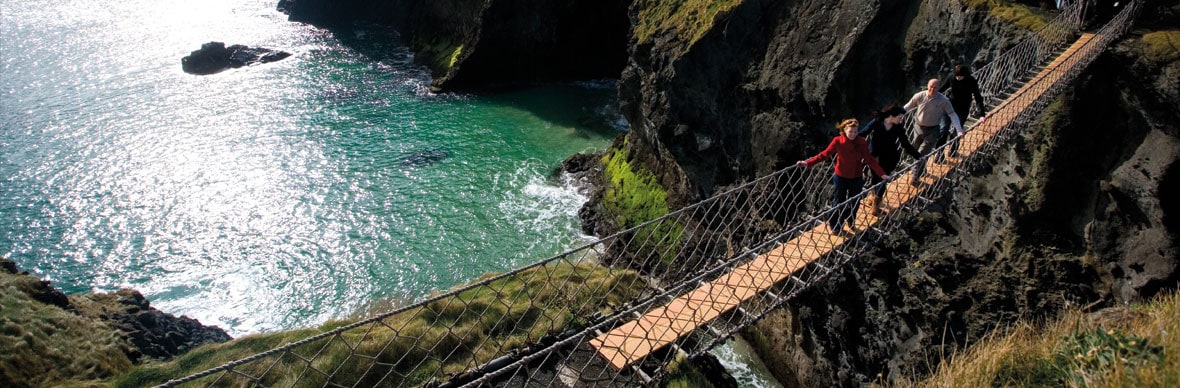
(663, 325)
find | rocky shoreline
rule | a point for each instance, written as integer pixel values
(149, 333)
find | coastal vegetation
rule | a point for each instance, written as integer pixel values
(1131, 346)
(445, 337)
(682, 374)
(1017, 14)
(1162, 46)
(634, 196)
(45, 345)
(438, 53)
(687, 19)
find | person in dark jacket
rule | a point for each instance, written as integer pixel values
(887, 138)
(852, 154)
(960, 88)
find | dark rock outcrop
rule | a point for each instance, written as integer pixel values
(157, 334)
(41, 290)
(749, 98)
(472, 45)
(151, 332)
(763, 86)
(585, 172)
(214, 57)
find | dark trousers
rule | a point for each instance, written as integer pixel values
(889, 164)
(927, 139)
(844, 188)
(962, 111)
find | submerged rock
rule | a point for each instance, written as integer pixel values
(424, 158)
(213, 57)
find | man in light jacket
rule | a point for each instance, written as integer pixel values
(931, 106)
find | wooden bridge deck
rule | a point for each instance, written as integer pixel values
(663, 325)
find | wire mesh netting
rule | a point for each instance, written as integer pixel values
(629, 309)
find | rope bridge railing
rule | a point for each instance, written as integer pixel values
(754, 285)
(1004, 73)
(537, 325)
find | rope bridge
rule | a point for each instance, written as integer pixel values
(630, 308)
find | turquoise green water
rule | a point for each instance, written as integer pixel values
(274, 196)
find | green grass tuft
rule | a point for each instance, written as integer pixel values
(634, 196)
(44, 345)
(1017, 14)
(439, 53)
(688, 19)
(455, 56)
(1136, 348)
(681, 374)
(1162, 46)
(420, 345)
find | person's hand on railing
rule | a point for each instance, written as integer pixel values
(801, 163)
(887, 178)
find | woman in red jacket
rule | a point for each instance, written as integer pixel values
(852, 154)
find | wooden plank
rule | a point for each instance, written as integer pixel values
(661, 326)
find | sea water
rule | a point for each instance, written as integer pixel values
(279, 195)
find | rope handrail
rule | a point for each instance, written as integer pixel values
(534, 324)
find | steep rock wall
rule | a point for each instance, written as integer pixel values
(472, 45)
(763, 85)
(1076, 215)
(1081, 212)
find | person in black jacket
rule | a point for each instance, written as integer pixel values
(962, 87)
(887, 137)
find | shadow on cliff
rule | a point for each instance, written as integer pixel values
(590, 108)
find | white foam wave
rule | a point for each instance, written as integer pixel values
(738, 358)
(545, 207)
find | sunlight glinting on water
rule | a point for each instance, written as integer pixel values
(273, 196)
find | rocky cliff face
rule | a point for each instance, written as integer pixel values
(1077, 214)
(1081, 212)
(487, 44)
(765, 83)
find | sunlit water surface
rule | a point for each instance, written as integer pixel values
(274, 196)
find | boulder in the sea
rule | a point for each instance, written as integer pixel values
(214, 57)
(424, 158)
